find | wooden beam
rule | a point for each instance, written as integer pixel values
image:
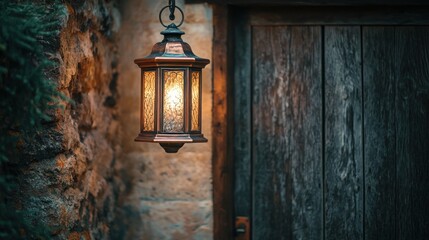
(317, 2)
(222, 144)
(338, 15)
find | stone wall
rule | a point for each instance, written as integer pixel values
(166, 196)
(83, 175)
(67, 181)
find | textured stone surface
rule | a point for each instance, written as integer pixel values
(159, 177)
(67, 178)
(170, 195)
(177, 220)
(84, 175)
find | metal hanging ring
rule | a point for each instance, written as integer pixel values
(180, 10)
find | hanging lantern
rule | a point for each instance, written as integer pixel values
(171, 90)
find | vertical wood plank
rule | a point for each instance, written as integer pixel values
(242, 114)
(222, 163)
(397, 198)
(412, 132)
(379, 132)
(343, 134)
(287, 123)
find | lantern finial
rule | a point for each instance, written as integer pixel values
(172, 34)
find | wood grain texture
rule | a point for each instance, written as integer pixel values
(242, 113)
(379, 132)
(316, 2)
(412, 131)
(286, 142)
(339, 15)
(343, 134)
(222, 163)
(376, 165)
(396, 132)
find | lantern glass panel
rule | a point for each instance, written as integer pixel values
(148, 113)
(195, 103)
(173, 101)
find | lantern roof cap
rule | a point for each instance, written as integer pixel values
(172, 29)
(172, 50)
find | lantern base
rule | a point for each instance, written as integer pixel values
(171, 147)
(171, 142)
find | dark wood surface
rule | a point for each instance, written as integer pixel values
(379, 132)
(222, 161)
(315, 2)
(412, 132)
(242, 117)
(396, 84)
(287, 126)
(331, 128)
(343, 128)
(338, 15)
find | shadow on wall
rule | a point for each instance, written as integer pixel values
(166, 196)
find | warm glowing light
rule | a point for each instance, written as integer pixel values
(171, 92)
(174, 96)
(148, 113)
(195, 101)
(173, 101)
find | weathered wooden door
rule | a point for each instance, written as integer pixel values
(331, 123)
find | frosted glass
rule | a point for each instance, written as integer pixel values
(173, 108)
(149, 101)
(195, 90)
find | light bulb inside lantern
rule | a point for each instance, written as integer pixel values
(173, 121)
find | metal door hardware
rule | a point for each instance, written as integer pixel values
(242, 228)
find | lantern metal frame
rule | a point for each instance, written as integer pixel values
(172, 54)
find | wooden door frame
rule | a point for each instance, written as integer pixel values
(222, 162)
(222, 112)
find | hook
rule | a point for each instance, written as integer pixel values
(172, 7)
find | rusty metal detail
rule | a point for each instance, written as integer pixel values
(242, 228)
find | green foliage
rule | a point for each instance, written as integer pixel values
(27, 93)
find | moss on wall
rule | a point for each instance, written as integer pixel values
(28, 98)
(62, 160)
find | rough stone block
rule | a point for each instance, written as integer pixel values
(183, 176)
(176, 220)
